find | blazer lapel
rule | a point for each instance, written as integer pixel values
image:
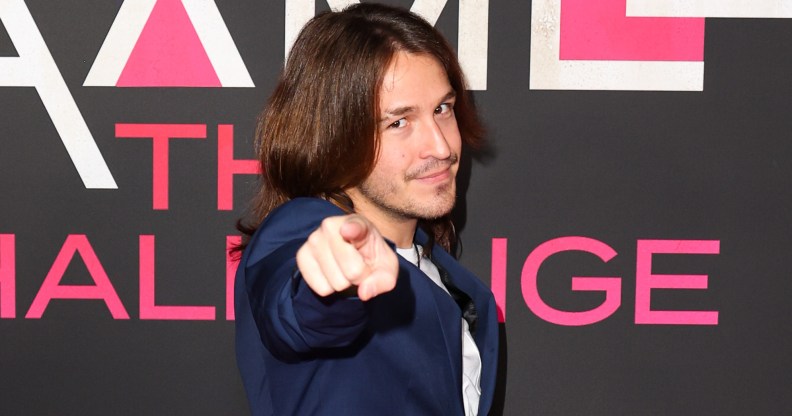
(486, 334)
(448, 320)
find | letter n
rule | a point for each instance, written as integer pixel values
(7, 276)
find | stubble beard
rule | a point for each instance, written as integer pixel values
(384, 194)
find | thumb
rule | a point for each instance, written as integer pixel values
(378, 283)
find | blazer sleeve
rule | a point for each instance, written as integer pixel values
(290, 317)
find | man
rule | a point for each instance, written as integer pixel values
(359, 147)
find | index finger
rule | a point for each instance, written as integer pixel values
(355, 230)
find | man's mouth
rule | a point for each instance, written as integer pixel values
(435, 171)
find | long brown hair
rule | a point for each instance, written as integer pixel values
(318, 136)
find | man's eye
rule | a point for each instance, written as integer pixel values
(398, 123)
(444, 108)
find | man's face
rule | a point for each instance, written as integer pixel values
(414, 176)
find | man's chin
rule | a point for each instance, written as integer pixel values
(438, 209)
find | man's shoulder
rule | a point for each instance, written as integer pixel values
(293, 220)
(461, 276)
(302, 209)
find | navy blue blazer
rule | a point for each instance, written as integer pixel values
(397, 354)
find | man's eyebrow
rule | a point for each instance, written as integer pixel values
(400, 111)
(449, 95)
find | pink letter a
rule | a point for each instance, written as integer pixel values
(50, 289)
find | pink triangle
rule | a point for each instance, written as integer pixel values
(168, 52)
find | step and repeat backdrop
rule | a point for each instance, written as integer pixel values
(632, 212)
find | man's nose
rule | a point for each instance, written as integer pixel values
(435, 143)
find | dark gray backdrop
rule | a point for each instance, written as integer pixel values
(615, 166)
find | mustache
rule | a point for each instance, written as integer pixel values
(431, 165)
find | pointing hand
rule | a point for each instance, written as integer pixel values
(348, 251)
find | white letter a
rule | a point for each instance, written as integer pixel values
(35, 68)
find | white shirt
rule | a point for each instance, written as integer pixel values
(471, 359)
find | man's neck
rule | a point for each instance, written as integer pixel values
(399, 230)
